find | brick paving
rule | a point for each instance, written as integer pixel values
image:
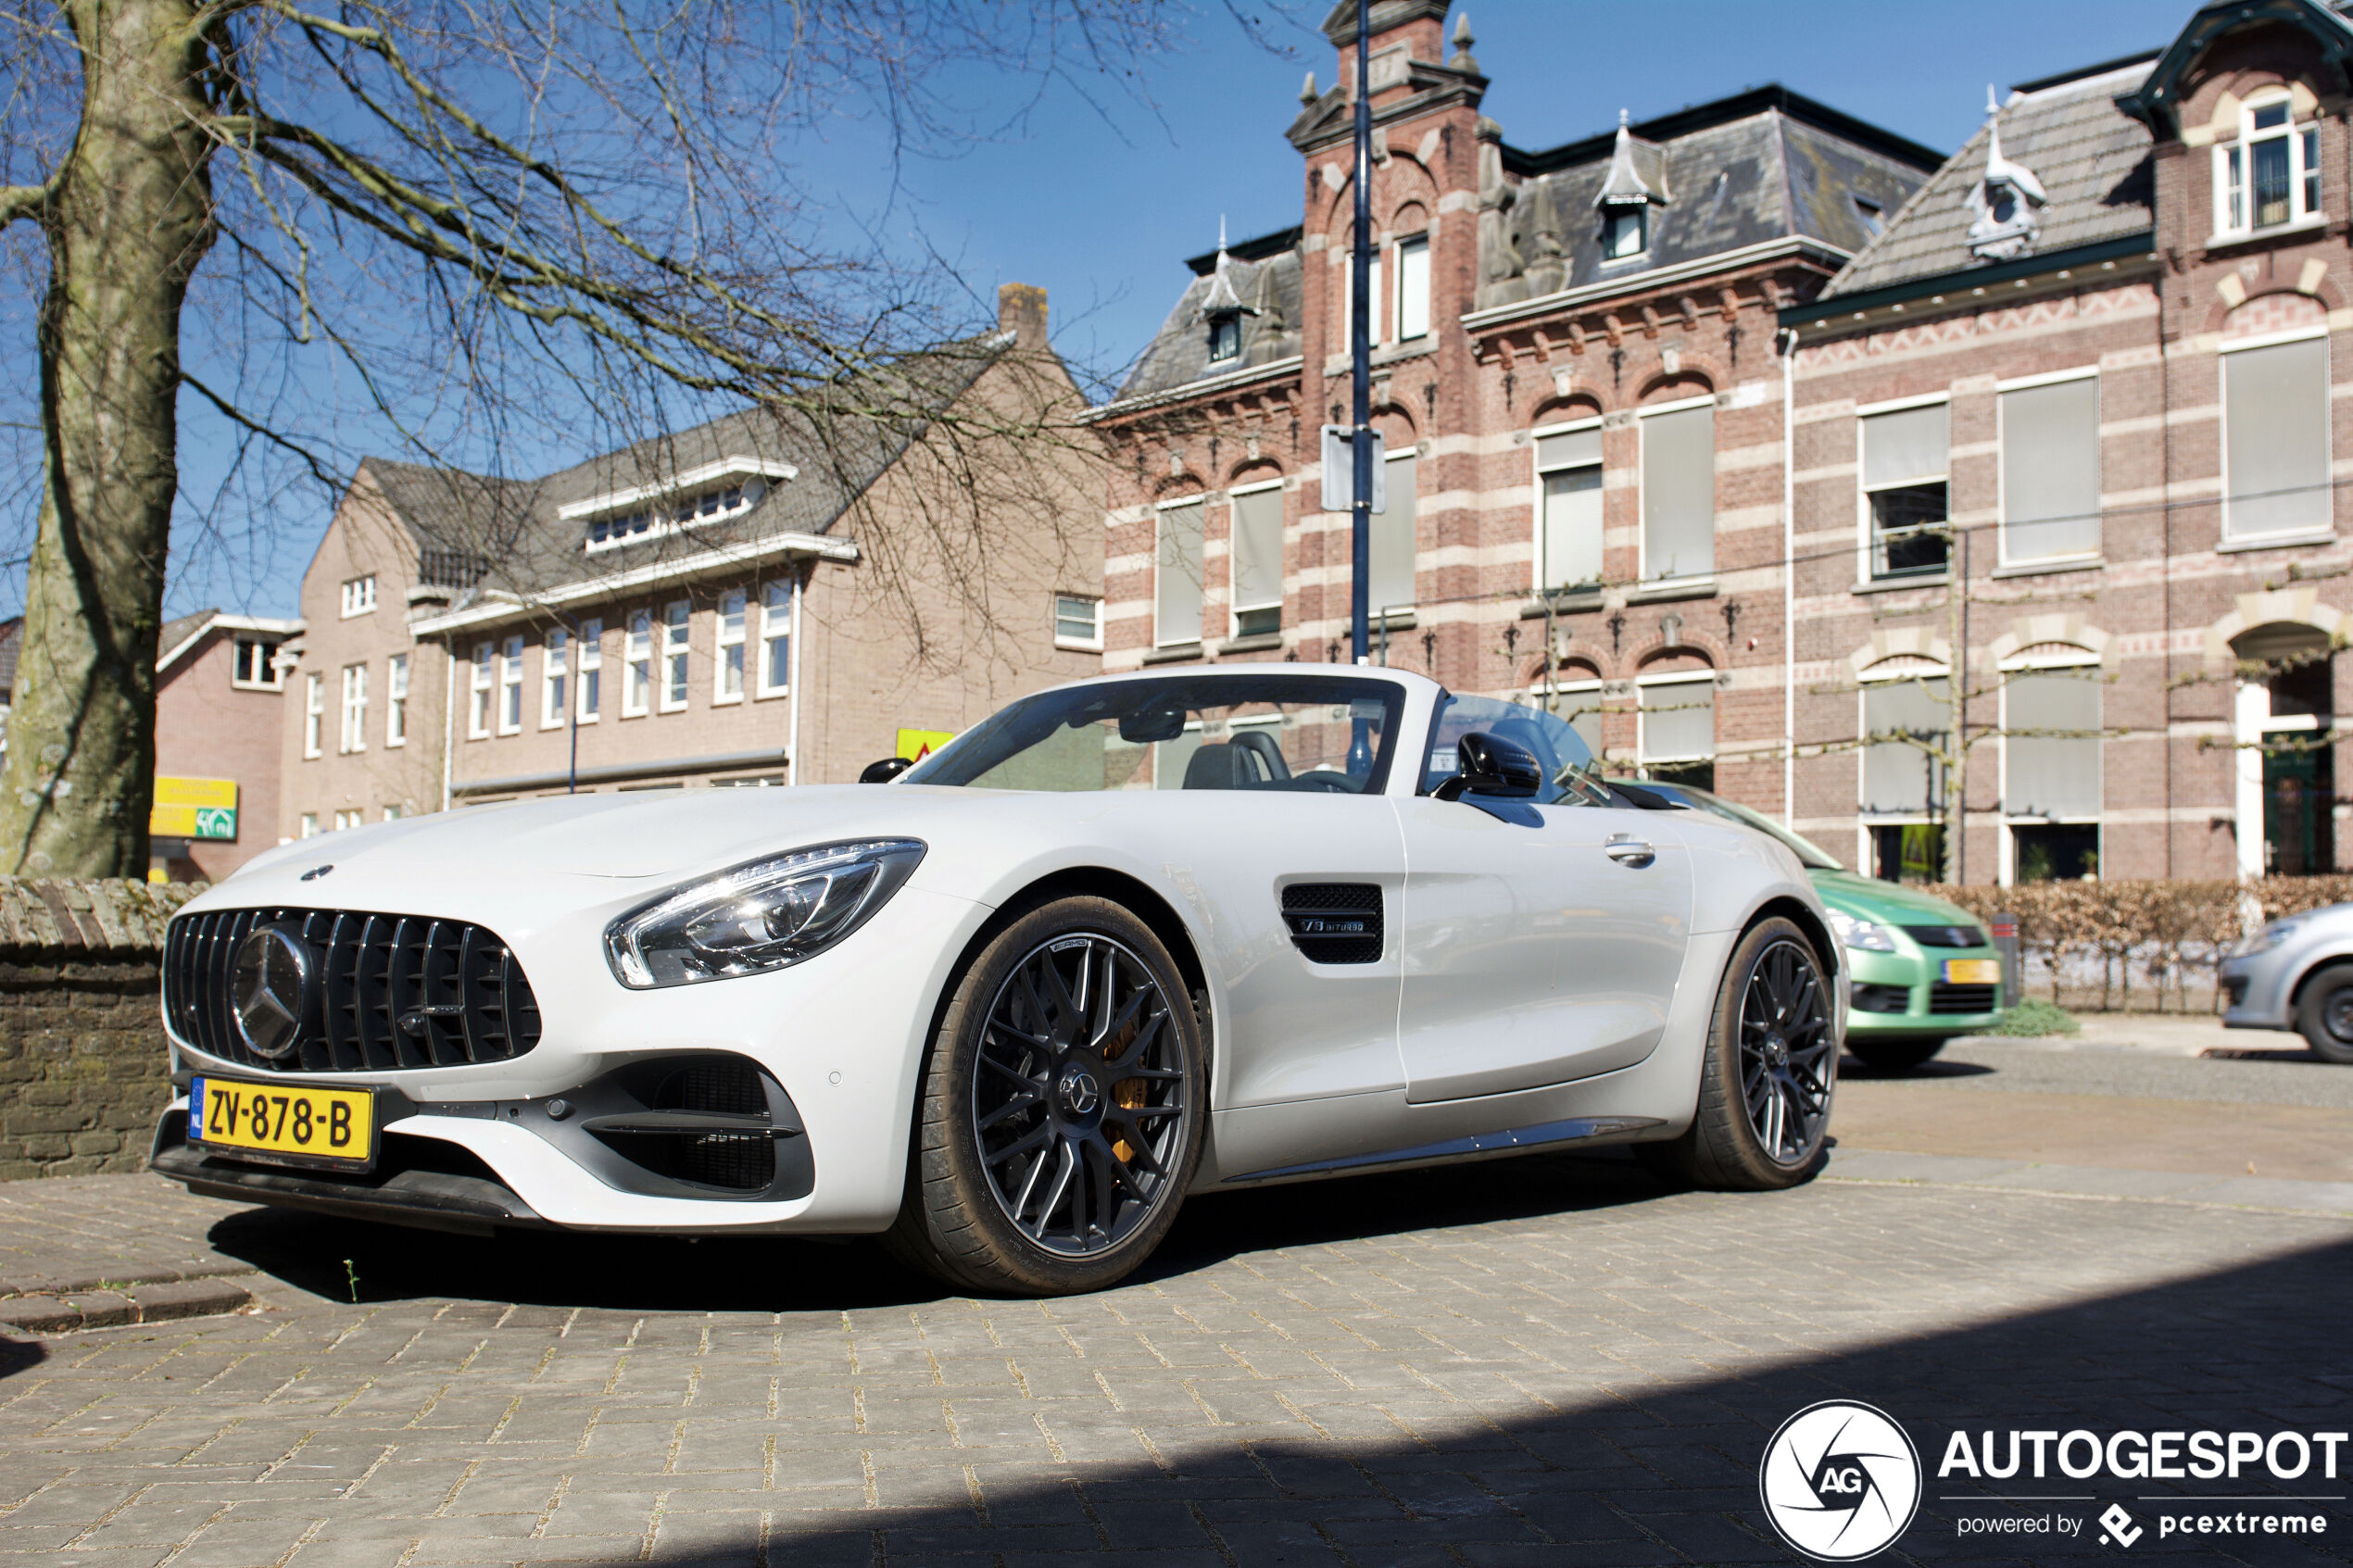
(1538, 1360)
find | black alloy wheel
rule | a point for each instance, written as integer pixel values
(1062, 1107)
(1080, 1096)
(1785, 1051)
(1768, 1070)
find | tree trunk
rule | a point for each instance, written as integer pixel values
(130, 216)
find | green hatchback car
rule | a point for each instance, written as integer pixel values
(1924, 970)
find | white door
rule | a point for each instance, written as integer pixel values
(1540, 943)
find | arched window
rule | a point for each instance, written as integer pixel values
(2271, 173)
(1906, 725)
(2050, 707)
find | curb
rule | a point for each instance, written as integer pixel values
(68, 1306)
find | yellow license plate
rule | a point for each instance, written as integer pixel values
(297, 1123)
(1974, 972)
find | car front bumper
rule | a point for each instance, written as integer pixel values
(2260, 989)
(1904, 995)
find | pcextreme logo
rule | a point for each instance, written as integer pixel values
(1840, 1481)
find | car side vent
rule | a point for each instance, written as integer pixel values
(1334, 921)
(706, 1121)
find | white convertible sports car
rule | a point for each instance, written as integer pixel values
(1127, 939)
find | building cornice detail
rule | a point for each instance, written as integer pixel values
(1208, 387)
(1638, 284)
(490, 611)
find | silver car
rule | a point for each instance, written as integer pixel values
(2297, 973)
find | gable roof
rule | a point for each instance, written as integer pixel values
(2155, 100)
(2092, 158)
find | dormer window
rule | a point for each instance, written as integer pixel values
(1625, 232)
(2271, 174)
(1874, 222)
(712, 493)
(1225, 339)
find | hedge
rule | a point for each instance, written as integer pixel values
(2163, 928)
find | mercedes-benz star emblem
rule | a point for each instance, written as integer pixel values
(1080, 1092)
(315, 872)
(271, 989)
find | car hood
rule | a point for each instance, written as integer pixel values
(1888, 902)
(647, 834)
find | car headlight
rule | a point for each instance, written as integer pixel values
(2269, 936)
(1865, 936)
(762, 915)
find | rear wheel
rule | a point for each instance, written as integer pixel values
(2325, 1015)
(1061, 1110)
(1892, 1055)
(1772, 1064)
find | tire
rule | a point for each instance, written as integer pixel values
(2324, 1017)
(1771, 1042)
(1892, 1055)
(1035, 1170)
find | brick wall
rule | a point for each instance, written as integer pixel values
(83, 1064)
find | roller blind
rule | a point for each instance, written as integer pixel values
(2277, 438)
(1582, 710)
(1412, 288)
(1903, 446)
(1678, 494)
(1177, 576)
(1258, 549)
(1678, 720)
(1392, 539)
(1570, 448)
(2052, 775)
(1572, 527)
(2051, 471)
(1896, 775)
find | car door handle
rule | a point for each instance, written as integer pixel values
(1628, 850)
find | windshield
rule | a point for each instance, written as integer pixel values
(1300, 733)
(1559, 750)
(1808, 855)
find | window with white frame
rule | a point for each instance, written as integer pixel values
(1569, 515)
(1674, 740)
(1625, 231)
(1078, 622)
(314, 713)
(1393, 542)
(1905, 492)
(349, 820)
(727, 665)
(254, 665)
(359, 596)
(2051, 469)
(394, 812)
(1256, 558)
(1906, 719)
(555, 677)
(480, 681)
(637, 665)
(2051, 766)
(309, 818)
(1678, 489)
(2271, 174)
(1412, 288)
(510, 685)
(354, 737)
(675, 620)
(396, 700)
(775, 638)
(592, 669)
(1176, 575)
(2275, 437)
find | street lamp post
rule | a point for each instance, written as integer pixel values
(1360, 351)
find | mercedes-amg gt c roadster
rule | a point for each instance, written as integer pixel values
(1126, 940)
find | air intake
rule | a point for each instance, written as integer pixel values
(1334, 921)
(706, 1121)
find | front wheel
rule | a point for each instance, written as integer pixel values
(1771, 1063)
(1061, 1110)
(2325, 1015)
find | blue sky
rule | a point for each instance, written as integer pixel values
(1102, 211)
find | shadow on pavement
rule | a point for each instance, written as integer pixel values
(1668, 1475)
(776, 1274)
(20, 1355)
(1934, 1067)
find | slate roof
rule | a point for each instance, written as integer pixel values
(1760, 165)
(2091, 156)
(174, 633)
(510, 530)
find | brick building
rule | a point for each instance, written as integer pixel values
(749, 602)
(2070, 433)
(1574, 375)
(220, 688)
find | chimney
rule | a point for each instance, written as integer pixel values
(1021, 311)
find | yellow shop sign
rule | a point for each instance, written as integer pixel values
(194, 809)
(916, 745)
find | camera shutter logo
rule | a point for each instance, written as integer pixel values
(1840, 1481)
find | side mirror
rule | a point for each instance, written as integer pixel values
(1490, 765)
(885, 771)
